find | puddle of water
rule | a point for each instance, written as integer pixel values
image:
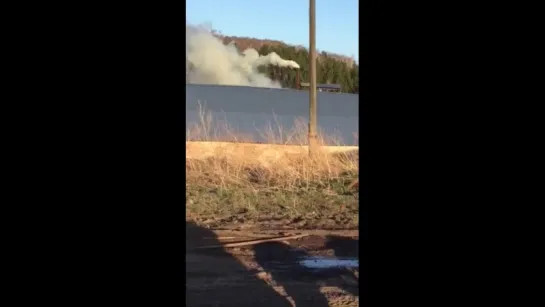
(329, 263)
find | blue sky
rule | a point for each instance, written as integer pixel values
(284, 20)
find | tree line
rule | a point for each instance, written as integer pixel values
(329, 70)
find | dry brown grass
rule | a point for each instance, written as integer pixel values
(289, 172)
(265, 179)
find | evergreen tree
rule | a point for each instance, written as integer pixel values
(328, 69)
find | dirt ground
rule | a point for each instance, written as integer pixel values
(266, 208)
(269, 274)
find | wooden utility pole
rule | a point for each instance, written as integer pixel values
(312, 133)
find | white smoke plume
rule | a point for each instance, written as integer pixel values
(209, 61)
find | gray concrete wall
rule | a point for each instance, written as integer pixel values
(250, 110)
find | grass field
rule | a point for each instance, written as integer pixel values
(240, 186)
(236, 191)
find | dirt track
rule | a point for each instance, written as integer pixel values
(268, 274)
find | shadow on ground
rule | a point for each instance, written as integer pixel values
(216, 278)
(346, 247)
(280, 261)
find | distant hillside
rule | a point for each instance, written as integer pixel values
(331, 68)
(248, 42)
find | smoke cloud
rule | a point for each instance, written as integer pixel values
(209, 61)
